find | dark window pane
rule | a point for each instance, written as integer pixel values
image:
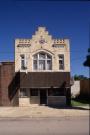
(34, 92)
(41, 64)
(23, 64)
(41, 56)
(48, 56)
(56, 92)
(61, 56)
(61, 62)
(22, 56)
(49, 65)
(35, 56)
(35, 64)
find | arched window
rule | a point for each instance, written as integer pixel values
(42, 61)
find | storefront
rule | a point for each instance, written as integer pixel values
(42, 96)
(43, 88)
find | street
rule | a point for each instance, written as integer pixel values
(45, 126)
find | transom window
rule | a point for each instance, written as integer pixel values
(42, 61)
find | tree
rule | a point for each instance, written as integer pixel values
(80, 77)
(87, 62)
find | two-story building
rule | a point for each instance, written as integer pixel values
(42, 71)
(44, 66)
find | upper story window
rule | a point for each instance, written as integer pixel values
(23, 62)
(42, 61)
(61, 62)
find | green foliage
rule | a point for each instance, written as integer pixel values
(88, 50)
(80, 77)
(87, 62)
(78, 103)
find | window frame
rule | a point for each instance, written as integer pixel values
(25, 62)
(63, 63)
(45, 60)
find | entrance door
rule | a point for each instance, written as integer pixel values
(43, 96)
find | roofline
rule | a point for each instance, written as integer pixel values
(6, 62)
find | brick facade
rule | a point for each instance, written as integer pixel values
(7, 73)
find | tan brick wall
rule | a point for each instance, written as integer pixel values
(75, 88)
(29, 101)
(24, 101)
(34, 47)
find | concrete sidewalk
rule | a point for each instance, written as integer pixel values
(42, 111)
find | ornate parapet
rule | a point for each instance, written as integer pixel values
(59, 41)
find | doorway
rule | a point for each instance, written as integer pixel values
(43, 96)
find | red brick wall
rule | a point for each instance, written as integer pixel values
(7, 73)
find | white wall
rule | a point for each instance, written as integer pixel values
(75, 88)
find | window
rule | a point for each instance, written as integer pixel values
(42, 61)
(23, 62)
(23, 92)
(34, 92)
(61, 62)
(56, 92)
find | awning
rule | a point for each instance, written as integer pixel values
(44, 79)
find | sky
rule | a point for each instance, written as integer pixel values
(63, 19)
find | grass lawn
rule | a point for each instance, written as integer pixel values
(78, 103)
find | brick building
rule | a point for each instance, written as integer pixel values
(40, 74)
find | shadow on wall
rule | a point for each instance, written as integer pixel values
(67, 92)
(63, 85)
(13, 88)
(85, 89)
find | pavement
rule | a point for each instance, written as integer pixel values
(45, 126)
(43, 112)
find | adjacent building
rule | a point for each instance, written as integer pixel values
(40, 74)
